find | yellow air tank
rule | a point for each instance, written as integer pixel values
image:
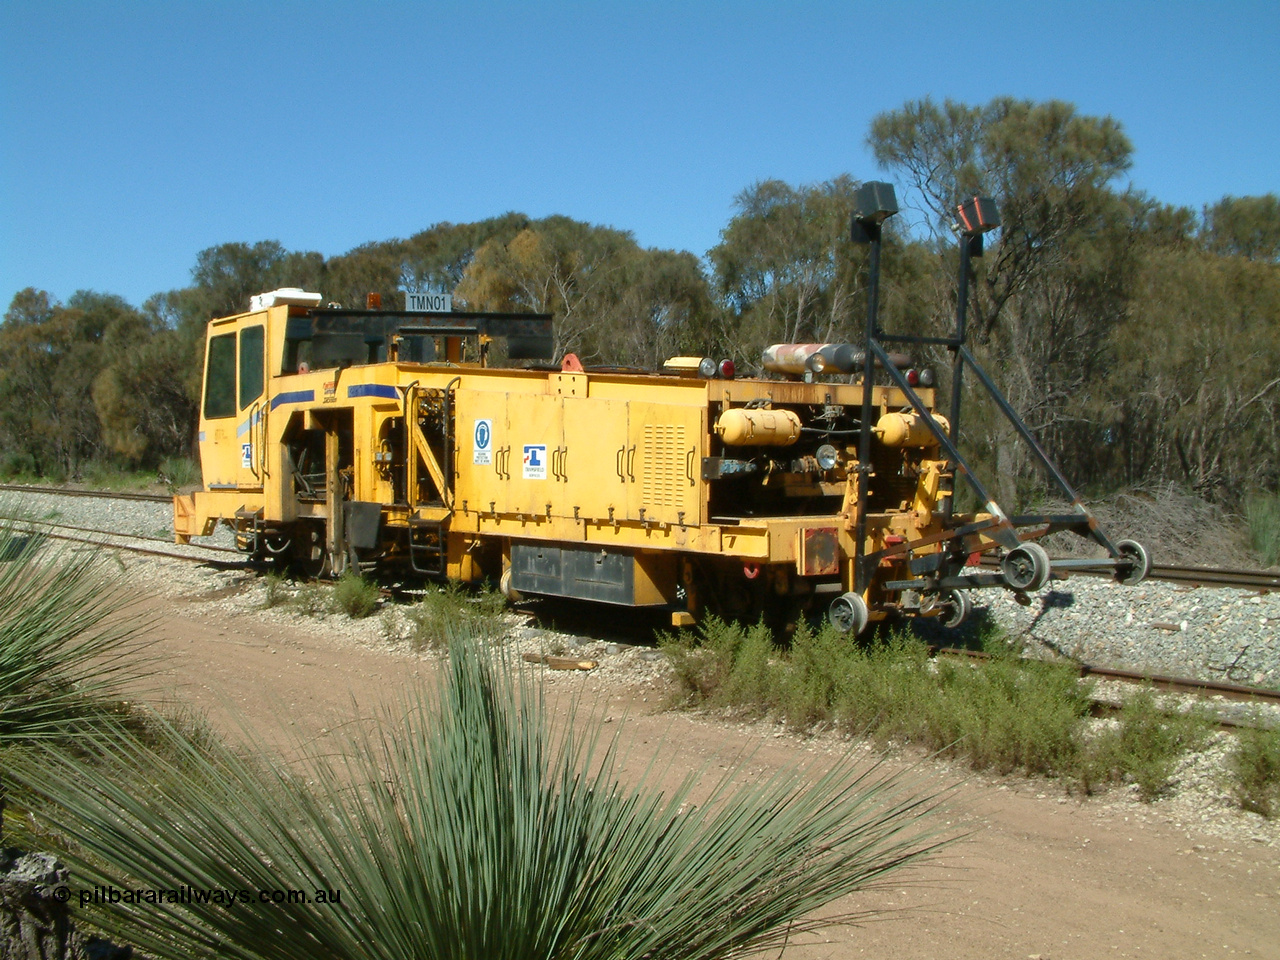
(740, 427)
(908, 430)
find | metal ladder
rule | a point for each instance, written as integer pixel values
(427, 546)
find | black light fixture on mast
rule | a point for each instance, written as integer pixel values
(873, 204)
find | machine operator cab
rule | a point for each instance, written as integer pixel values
(278, 352)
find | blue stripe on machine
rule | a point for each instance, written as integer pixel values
(201, 436)
(250, 423)
(297, 396)
(373, 390)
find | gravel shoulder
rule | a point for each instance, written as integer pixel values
(1041, 874)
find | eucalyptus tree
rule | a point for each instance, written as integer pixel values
(1053, 281)
(613, 301)
(786, 269)
(1246, 227)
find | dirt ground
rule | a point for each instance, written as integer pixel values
(1041, 876)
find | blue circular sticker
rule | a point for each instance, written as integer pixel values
(482, 433)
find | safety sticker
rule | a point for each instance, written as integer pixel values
(482, 451)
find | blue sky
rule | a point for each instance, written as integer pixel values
(135, 134)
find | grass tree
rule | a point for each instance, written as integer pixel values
(458, 825)
(67, 642)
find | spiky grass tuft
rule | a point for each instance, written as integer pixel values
(462, 828)
(66, 642)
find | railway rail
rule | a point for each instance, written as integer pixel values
(1264, 580)
(1203, 688)
(1261, 580)
(222, 557)
(131, 542)
(96, 494)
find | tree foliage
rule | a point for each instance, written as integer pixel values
(1054, 278)
(1136, 338)
(613, 301)
(1246, 227)
(785, 268)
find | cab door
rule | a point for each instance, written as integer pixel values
(219, 452)
(251, 416)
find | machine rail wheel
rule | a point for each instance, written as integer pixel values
(1026, 567)
(1138, 566)
(504, 587)
(309, 554)
(961, 606)
(848, 613)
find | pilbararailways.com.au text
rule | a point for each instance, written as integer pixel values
(187, 894)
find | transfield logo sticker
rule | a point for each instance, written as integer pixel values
(535, 461)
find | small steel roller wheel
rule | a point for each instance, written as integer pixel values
(1025, 567)
(960, 607)
(1134, 563)
(848, 613)
(506, 589)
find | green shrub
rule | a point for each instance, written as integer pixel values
(313, 599)
(1262, 512)
(355, 596)
(177, 473)
(276, 591)
(106, 475)
(453, 610)
(1255, 766)
(18, 467)
(702, 660)
(1004, 713)
(458, 826)
(1149, 742)
(879, 688)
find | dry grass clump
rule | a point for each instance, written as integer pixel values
(1175, 527)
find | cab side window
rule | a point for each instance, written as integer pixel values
(220, 377)
(251, 364)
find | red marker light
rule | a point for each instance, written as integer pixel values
(727, 369)
(913, 378)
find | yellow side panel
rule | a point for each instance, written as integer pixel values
(592, 464)
(483, 452)
(535, 434)
(663, 462)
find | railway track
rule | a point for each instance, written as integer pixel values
(131, 543)
(228, 558)
(1190, 685)
(1264, 580)
(95, 494)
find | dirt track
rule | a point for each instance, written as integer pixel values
(1042, 876)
